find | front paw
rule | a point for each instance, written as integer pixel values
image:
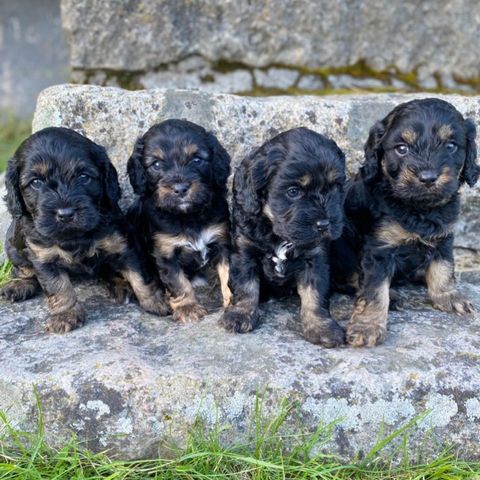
(156, 304)
(365, 335)
(453, 302)
(19, 290)
(189, 313)
(327, 333)
(238, 320)
(66, 321)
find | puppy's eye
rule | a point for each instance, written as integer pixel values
(451, 147)
(84, 178)
(156, 165)
(294, 192)
(401, 149)
(36, 183)
(196, 160)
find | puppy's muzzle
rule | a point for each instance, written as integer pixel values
(65, 215)
(180, 189)
(428, 177)
(322, 225)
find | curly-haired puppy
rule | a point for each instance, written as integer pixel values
(62, 192)
(287, 206)
(402, 207)
(180, 171)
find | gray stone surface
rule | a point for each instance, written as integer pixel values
(33, 52)
(115, 118)
(127, 380)
(437, 35)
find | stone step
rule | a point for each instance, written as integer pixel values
(127, 380)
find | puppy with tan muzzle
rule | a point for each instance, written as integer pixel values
(287, 206)
(402, 208)
(179, 172)
(63, 192)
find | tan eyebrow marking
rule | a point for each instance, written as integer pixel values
(409, 135)
(445, 132)
(190, 149)
(159, 153)
(305, 180)
(40, 168)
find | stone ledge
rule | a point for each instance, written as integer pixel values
(127, 380)
(115, 118)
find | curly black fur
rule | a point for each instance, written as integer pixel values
(63, 192)
(402, 207)
(179, 172)
(287, 206)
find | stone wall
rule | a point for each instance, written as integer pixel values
(272, 46)
(115, 118)
(33, 52)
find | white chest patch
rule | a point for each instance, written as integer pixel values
(280, 256)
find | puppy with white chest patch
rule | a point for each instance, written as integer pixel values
(179, 171)
(287, 206)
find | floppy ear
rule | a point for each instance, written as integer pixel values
(471, 170)
(373, 152)
(221, 161)
(14, 199)
(135, 170)
(252, 176)
(111, 187)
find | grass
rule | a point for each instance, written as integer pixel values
(12, 132)
(206, 457)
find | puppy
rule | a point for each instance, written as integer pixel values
(63, 192)
(402, 208)
(287, 206)
(179, 171)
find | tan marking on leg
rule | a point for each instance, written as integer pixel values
(223, 273)
(309, 305)
(440, 280)
(185, 306)
(368, 324)
(445, 132)
(112, 244)
(409, 135)
(148, 295)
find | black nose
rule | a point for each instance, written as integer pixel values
(65, 214)
(322, 225)
(428, 176)
(180, 188)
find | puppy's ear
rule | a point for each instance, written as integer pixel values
(471, 170)
(373, 153)
(253, 175)
(135, 170)
(111, 187)
(220, 163)
(14, 199)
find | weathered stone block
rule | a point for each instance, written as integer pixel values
(115, 118)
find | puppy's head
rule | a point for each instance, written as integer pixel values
(296, 181)
(63, 181)
(425, 150)
(179, 165)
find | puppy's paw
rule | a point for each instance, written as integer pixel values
(189, 313)
(397, 301)
(19, 289)
(327, 333)
(120, 291)
(238, 320)
(365, 335)
(66, 321)
(156, 304)
(453, 302)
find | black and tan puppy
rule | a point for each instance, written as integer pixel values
(180, 172)
(287, 206)
(62, 192)
(402, 208)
